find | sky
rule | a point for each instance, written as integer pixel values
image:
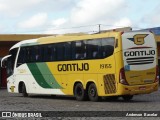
(72, 16)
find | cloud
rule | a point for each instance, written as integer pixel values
(3, 7)
(90, 13)
(55, 15)
(24, 7)
(152, 18)
(59, 22)
(87, 11)
(16, 8)
(35, 21)
(123, 22)
(56, 26)
(93, 12)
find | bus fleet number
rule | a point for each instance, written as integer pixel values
(105, 66)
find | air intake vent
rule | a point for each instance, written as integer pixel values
(109, 83)
(140, 60)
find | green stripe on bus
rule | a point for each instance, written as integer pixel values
(49, 78)
(37, 75)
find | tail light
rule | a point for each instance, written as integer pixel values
(122, 77)
(122, 32)
(157, 74)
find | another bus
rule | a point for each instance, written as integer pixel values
(92, 66)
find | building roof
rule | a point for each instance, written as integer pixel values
(19, 37)
(155, 30)
(157, 37)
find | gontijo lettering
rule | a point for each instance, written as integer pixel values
(73, 67)
(139, 53)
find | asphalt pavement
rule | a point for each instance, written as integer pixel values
(140, 103)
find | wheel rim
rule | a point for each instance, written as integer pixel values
(79, 91)
(92, 92)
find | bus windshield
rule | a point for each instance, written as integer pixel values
(11, 61)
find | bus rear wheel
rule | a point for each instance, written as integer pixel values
(79, 92)
(92, 93)
(24, 91)
(127, 97)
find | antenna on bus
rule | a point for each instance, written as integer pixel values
(99, 26)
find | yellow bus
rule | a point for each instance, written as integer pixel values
(91, 66)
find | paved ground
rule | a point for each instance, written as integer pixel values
(15, 102)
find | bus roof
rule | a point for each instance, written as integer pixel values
(67, 38)
(24, 42)
(63, 38)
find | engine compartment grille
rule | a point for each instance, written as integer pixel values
(140, 60)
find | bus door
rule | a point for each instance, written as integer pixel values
(139, 55)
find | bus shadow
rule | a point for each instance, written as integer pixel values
(59, 97)
(120, 100)
(52, 97)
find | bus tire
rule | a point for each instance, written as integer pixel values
(92, 93)
(127, 97)
(24, 91)
(79, 92)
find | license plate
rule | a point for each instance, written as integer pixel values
(142, 88)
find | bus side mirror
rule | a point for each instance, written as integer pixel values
(4, 63)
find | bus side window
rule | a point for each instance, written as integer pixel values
(53, 52)
(60, 51)
(107, 47)
(80, 50)
(31, 55)
(50, 55)
(89, 49)
(37, 54)
(21, 56)
(40, 53)
(24, 55)
(48, 51)
(27, 55)
(67, 51)
(45, 54)
(73, 47)
(93, 49)
(41, 50)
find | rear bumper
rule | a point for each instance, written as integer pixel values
(138, 89)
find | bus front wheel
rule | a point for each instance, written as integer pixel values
(92, 93)
(79, 92)
(24, 91)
